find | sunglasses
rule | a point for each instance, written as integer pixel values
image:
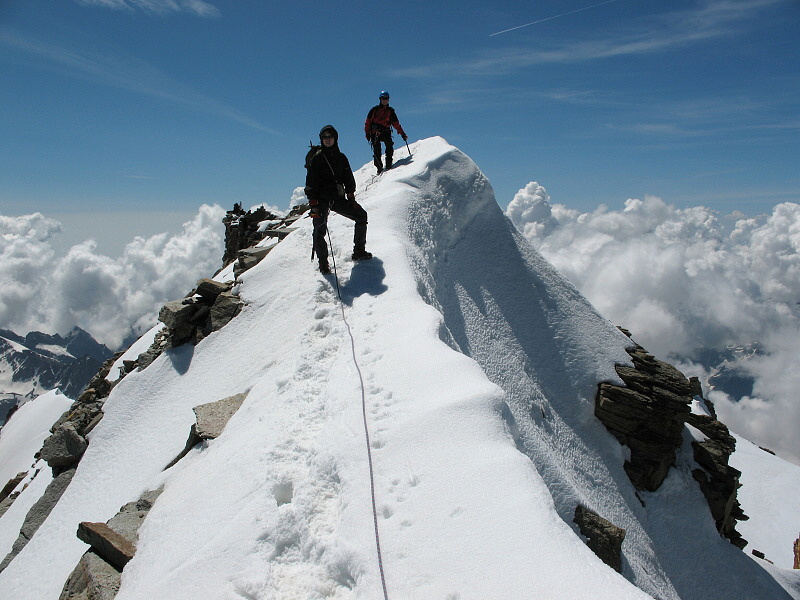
(327, 137)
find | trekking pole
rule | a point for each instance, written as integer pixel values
(409, 149)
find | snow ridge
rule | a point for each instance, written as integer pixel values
(480, 364)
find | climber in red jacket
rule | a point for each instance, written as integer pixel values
(377, 127)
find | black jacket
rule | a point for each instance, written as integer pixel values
(329, 167)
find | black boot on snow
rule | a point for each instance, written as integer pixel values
(361, 255)
(324, 267)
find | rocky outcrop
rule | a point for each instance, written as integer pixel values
(146, 358)
(7, 494)
(210, 420)
(242, 230)
(212, 304)
(87, 410)
(92, 579)
(603, 537)
(249, 258)
(214, 416)
(12, 483)
(112, 546)
(62, 451)
(107, 543)
(64, 448)
(648, 415)
(718, 481)
(208, 308)
(797, 553)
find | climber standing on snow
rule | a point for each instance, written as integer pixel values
(377, 127)
(330, 185)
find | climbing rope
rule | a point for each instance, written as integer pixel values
(366, 426)
(372, 180)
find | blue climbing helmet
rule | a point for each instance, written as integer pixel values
(383, 94)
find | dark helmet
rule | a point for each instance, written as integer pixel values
(383, 94)
(329, 129)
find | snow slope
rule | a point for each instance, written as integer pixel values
(25, 432)
(478, 365)
(769, 496)
(20, 440)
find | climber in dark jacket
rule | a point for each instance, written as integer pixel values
(330, 185)
(377, 127)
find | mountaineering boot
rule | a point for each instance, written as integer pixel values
(324, 267)
(361, 254)
(378, 165)
(388, 162)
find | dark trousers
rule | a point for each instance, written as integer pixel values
(351, 210)
(386, 138)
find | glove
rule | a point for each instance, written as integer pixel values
(404, 136)
(369, 137)
(351, 196)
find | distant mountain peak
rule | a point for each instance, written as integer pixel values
(37, 362)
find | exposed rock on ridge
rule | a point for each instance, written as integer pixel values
(603, 537)
(648, 415)
(243, 230)
(112, 545)
(207, 308)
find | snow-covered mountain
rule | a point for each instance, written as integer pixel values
(37, 362)
(418, 426)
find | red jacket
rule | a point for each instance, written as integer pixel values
(381, 118)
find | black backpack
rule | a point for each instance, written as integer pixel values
(312, 152)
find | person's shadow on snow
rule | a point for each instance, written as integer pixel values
(366, 278)
(402, 162)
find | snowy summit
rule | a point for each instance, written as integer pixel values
(471, 366)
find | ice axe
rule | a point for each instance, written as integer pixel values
(409, 149)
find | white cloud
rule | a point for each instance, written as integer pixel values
(672, 28)
(42, 291)
(772, 414)
(684, 279)
(201, 8)
(298, 197)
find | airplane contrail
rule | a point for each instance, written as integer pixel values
(572, 12)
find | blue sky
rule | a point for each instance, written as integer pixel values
(141, 110)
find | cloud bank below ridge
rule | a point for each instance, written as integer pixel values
(687, 279)
(108, 297)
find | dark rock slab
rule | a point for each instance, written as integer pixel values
(603, 537)
(107, 543)
(12, 483)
